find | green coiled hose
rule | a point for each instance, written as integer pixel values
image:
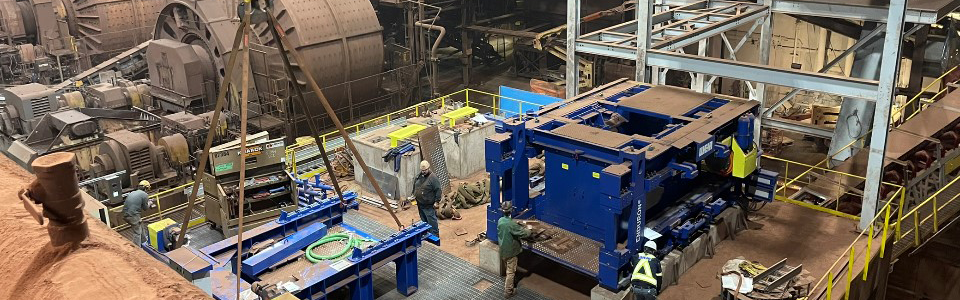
(352, 242)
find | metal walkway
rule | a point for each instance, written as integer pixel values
(945, 213)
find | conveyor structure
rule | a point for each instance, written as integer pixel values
(625, 163)
(920, 152)
(274, 261)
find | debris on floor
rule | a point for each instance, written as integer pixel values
(465, 196)
(473, 242)
(743, 279)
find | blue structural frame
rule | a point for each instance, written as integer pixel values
(292, 233)
(615, 182)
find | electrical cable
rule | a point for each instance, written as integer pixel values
(352, 242)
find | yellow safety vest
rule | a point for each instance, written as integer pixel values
(643, 272)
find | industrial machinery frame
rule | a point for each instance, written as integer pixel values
(270, 191)
(313, 281)
(625, 163)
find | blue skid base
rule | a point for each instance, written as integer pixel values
(291, 233)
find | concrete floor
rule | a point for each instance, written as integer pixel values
(779, 230)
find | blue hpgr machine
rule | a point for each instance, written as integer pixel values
(624, 163)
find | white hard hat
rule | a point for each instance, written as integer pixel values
(424, 165)
(650, 244)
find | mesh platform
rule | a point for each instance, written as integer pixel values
(442, 275)
(946, 213)
(580, 251)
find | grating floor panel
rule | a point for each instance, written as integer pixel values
(586, 254)
(442, 275)
(946, 213)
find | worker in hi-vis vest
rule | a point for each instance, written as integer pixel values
(647, 273)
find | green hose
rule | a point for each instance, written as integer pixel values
(352, 242)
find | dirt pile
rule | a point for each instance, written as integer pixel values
(105, 266)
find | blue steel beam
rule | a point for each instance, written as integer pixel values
(329, 212)
(283, 249)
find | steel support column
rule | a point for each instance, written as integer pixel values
(766, 39)
(699, 83)
(644, 8)
(881, 121)
(573, 31)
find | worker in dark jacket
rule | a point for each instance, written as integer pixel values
(509, 233)
(136, 202)
(427, 191)
(647, 273)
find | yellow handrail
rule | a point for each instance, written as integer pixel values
(850, 251)
(917, 97)
(160, 210)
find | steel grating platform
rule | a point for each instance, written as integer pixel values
(585, 255)
(946, 213)
(442, 275)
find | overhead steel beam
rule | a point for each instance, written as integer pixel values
(798, 126)
(843, 27)
(711, 30)
(854, 10)
(844, 10)
(831, 84)
(869, 37)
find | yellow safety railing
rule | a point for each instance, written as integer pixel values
(485, 102)
(862, 246)
(820, 167)
(156, 199)
(781, 193)
(897, 117)
(918, 103)
(891, 216)
(929, 212)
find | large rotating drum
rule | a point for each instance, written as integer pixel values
(340, 41)
(107, 27)
(102, 28)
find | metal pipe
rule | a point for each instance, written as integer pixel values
(56, 189)
(433, 50)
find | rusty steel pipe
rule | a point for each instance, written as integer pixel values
(56, 190)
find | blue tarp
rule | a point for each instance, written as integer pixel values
(512, 107)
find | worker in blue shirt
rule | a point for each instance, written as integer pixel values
(647, 273)
(509, 233)
(136, 202)
(427, 192)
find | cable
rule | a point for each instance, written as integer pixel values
(352, 242)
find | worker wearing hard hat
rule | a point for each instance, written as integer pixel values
(647, 273)
(136, 202)
(427, 191)
(509, 233)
